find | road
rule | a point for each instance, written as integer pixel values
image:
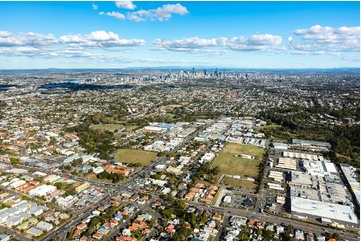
(220, 229)
(118, 189)
(75, 178)
(15, 235)
(274, 219)
(115, 231)
(73, 222)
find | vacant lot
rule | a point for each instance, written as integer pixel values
(232, 165)
(106, 126)
(229, 181)
(135, 156)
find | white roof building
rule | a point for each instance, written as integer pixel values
(280, 146)
(307, 207)
(43, 190)
(227, 199)
(17, 183)
(98, 170)
(44, 226)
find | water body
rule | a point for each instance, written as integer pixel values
(5, 87)
(77, 86)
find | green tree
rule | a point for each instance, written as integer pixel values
(336, 236)
(94, 222)
(59, 185)
(14, 160)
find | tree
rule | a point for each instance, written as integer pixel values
(71, 192)
(336, 236)
(182, 204)
(70, 235)
(103, 175)
(138, 234)
(191, 218)
(216, 170)
(94, 222)
(267, 234)
(203, 218)
(14, 160)
(59, 185)
(167, 213)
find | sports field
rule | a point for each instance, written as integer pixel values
(232, 165)
(106, 126)
(135, 156)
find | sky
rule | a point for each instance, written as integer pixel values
(124, 34)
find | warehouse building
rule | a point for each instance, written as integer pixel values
(317, 209)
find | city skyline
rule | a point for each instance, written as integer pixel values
(153, 34)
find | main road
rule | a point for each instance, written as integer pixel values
(276, 220)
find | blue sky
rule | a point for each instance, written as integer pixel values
(147, 34)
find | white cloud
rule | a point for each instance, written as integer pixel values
(161, 13)
(188, 44)
(116, 15)
(48, 46)
(255, 42)
(100, 39)
(125, 4)
(101, 13)
(135, 17)
(95, 7)
(195, 44)
(326, 38)
(8, 39)
(165, 12)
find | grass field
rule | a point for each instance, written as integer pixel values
(271, 126)
(231, 165)
(342, 156)
(135, 156)
(130, 127)
(106, 126)
(229, 181)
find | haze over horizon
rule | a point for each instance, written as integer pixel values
(126, 34)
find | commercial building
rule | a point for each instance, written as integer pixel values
(280, 146)
(34, 231)
(4, 237)
(351, 176)
(287, 163)
(299, 155)
(318, 168)
(317, 209)
(82, 187)
(311, 143)
(44, 226)
(42, 190)
(276, 175)
(301, 179)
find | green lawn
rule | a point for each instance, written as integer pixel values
(134, 156)
(106, 126)
(271, 126)
(130, 127)
(342, 156)
(229, 181)
(231, 165)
